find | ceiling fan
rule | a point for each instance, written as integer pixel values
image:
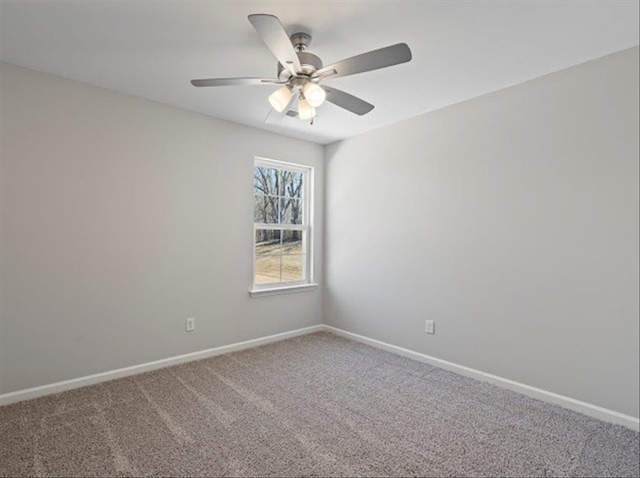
(301, 72)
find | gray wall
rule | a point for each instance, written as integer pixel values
(512, 221)
(121, 218)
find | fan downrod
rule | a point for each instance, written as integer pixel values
(300, 41)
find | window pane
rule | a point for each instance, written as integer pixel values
(281, 237)
(268, 241)
(291, 211)
(292, 242)
(292, 268)
(267, 269)
(266, 181)
(291, 184)
(265, 209)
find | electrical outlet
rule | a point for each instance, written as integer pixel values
(190, 324)
(430, 326)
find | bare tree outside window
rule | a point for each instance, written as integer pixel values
(279, 221)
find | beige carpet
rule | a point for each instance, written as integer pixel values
(316, 405)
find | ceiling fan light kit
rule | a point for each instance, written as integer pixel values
(301, 72)
(314, 94)
(281, 98)
(305, 110)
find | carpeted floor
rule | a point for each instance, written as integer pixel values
(316, 405)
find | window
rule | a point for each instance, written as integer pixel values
(281, 218)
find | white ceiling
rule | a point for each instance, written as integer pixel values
(461, 49)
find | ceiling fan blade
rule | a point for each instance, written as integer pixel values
(348, 101)
(235, 81)
(273, 35)
(373, 60)
(273, 117)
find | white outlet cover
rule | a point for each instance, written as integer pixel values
(430, 327)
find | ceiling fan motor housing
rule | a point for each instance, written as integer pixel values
(309, 62)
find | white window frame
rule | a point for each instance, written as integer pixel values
(306, 227)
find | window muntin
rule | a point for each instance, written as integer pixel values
(281, 224)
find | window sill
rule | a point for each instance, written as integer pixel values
(282, 290)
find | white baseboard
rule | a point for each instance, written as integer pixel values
(58, 387)
(594, 411)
